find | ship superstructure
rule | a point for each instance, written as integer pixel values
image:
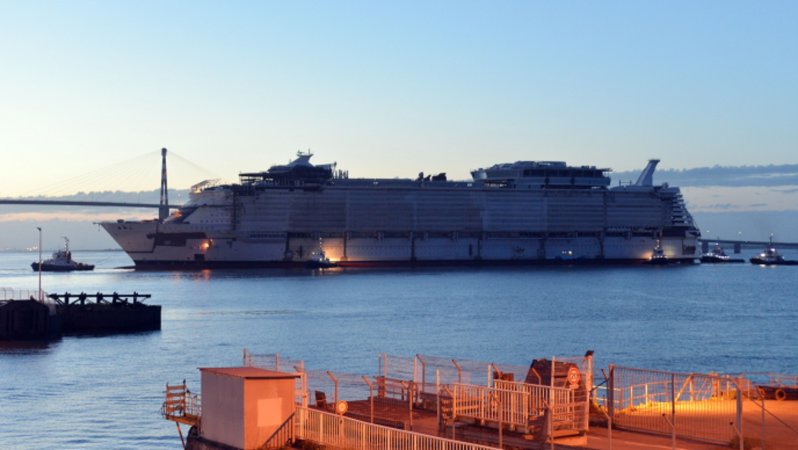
(522, 212)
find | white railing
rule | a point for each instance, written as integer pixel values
(508, 407)
(329, 429)
(513, 404)
(539, 396)
(20, 294)
(564, 407)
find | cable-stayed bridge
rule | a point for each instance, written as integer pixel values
(82, 203)
(738, 245)
(163, 205)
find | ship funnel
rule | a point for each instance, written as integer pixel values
(646, 177)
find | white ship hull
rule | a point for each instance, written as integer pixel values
(360, 252)
(393, 223)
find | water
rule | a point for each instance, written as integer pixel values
(105, 391)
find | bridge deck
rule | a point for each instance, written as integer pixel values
(82, 203)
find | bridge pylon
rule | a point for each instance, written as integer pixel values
(163, 210)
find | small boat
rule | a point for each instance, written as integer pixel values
(61, 262)
(658, 257)
(771, 257)
(318, 260)
(718, 256)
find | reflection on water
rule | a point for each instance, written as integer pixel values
(245, 313)
(26, 347)
(103, 392)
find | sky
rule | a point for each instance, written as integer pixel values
(389, 89)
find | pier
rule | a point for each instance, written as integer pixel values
(427, 402)
(108, 313)
(24, 317)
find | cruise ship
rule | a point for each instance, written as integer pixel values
(526, 212)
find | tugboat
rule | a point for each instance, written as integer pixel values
(771, 257)
(319, 260)
(658, 257)
(718, 256)
(61, 262)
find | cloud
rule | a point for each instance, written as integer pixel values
(761, 176)
(720, 206)
(787, 191)
(740, 198)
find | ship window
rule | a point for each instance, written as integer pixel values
(533, 173)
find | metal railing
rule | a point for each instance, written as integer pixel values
(516, 405)
(750, 381)
(566, 410)
(274, 361)
(21, 294)
(780, 379)
(332, 430)
(505, 407)
(283, 436)
(181, 405)
(426, 370)
(538, 395)
(702, 407)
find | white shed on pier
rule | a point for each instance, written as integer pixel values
(242, 407)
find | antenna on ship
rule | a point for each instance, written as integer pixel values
(163, 210)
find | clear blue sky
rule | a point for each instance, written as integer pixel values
(393, 88)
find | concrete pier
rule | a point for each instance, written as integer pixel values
(28, 320)
(31, 319)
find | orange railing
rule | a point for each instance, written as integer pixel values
(283, 436)
(181, 405)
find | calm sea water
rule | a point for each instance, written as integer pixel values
(105, 392)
